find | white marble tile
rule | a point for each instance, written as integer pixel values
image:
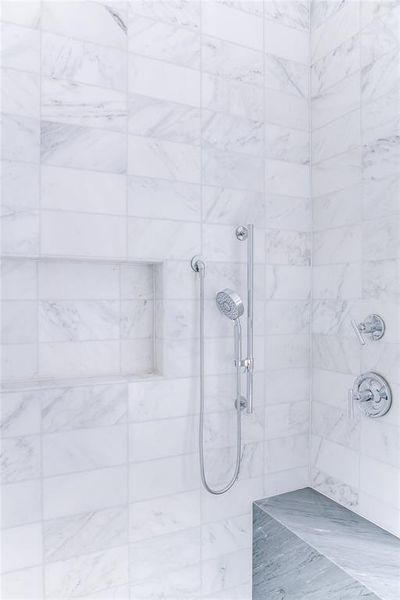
(82, 235)
(380, 441)
(289, 179)
(67, 537)
(79, 359)
(84, 492)
(288, 212)
(286, 42)
(288, 282)
(150, 558)
(232, 97)
(164, 515)
(164, 81)
(337, 172)
(221, 21)
(22, 13)
(19, 322)
(20, 48)
(164, 41)
(20, 93)
(336, 353)
(332, 423)
(220, 244)
(86, 191)
(15, 509)
(183, 14)
(168, 160)
(343, 24)
(340, 462)
(339, 245)
(178, 437)
(288, 247)
(161, 239)
(65, 145)
(159, 198)
(237, 501)
(231, 61)
(380, 480)
(381, 151)
(286, 76)
(20, 232)
(284, 389)
(289, 13)
(339, 64)
(283, 143)
(21, 547)
(181, 583)
(163, 477)
(77, 280)
(20, 413)
(147, 399)
(286, 110)
(289, 480)
(164, 120)
(25, 583)
(20, 186)
(229, 133)
(339, 208)
(84, 449)
(380, 77)
(287, 419)
(337, 281)
(229, 206)
(376, 9)
(137, 318)
(232, 169)
(380, 280)
(380, 36)
(225, 572)
(18, 279)
(287, 352)
(19, 361)
(336, 100)
(80, 61)
(255, 7)
(20, 458)
(100, 23)
(334, 488)
(79, 104)
(286, 453)
(287, 316)
(78, 407)
(225, 536)
(341, 135)
(87, 574)
(20, 139)
(385, 241)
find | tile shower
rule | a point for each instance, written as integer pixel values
(135, 136)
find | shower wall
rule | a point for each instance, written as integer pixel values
(355, 184)
(136, 135)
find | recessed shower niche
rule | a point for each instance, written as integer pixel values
(66, 318)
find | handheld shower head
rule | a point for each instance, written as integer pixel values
(230, 304)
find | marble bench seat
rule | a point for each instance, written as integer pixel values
(305, 546)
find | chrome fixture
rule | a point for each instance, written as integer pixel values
(231, 306)
(246, 233)
(373, 326)
(372, 394)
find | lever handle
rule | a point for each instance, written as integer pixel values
(358, 333)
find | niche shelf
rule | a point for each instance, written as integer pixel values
(67, 318)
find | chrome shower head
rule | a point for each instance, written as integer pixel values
(230, 304)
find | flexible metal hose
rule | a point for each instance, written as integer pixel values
(238, 338)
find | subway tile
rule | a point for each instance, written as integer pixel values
(232, 169)
(182, 14)
(20, 48)
(21, 138)
(25, 583)
(16, 510)
(343, 24)
(224, 22)
(75, 493)
(19, 322)
(20, 413)
(286, 76)
(164, 81)
(288, 43)
(164, 41)
(20, 93)
(23, 13)
(286, 110)
(155, 239)
(20, 458)
(96, 23)
(288, 13)
(224, 59)
(150, 197)
(87, 574)
(81, 61)
(228, 96)
(21, 547)
(283, 143)
(163, 476)
(285, 178)
(339, 64)
(17, 179)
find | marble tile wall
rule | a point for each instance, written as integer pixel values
(147, 131)
(355, 179)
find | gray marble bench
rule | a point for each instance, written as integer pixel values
(306, 546)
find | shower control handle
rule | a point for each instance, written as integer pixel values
(373, 326)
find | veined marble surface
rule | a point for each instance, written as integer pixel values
(364, 551)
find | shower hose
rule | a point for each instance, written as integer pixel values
(238, 352)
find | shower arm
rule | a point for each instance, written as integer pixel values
(247, 233)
